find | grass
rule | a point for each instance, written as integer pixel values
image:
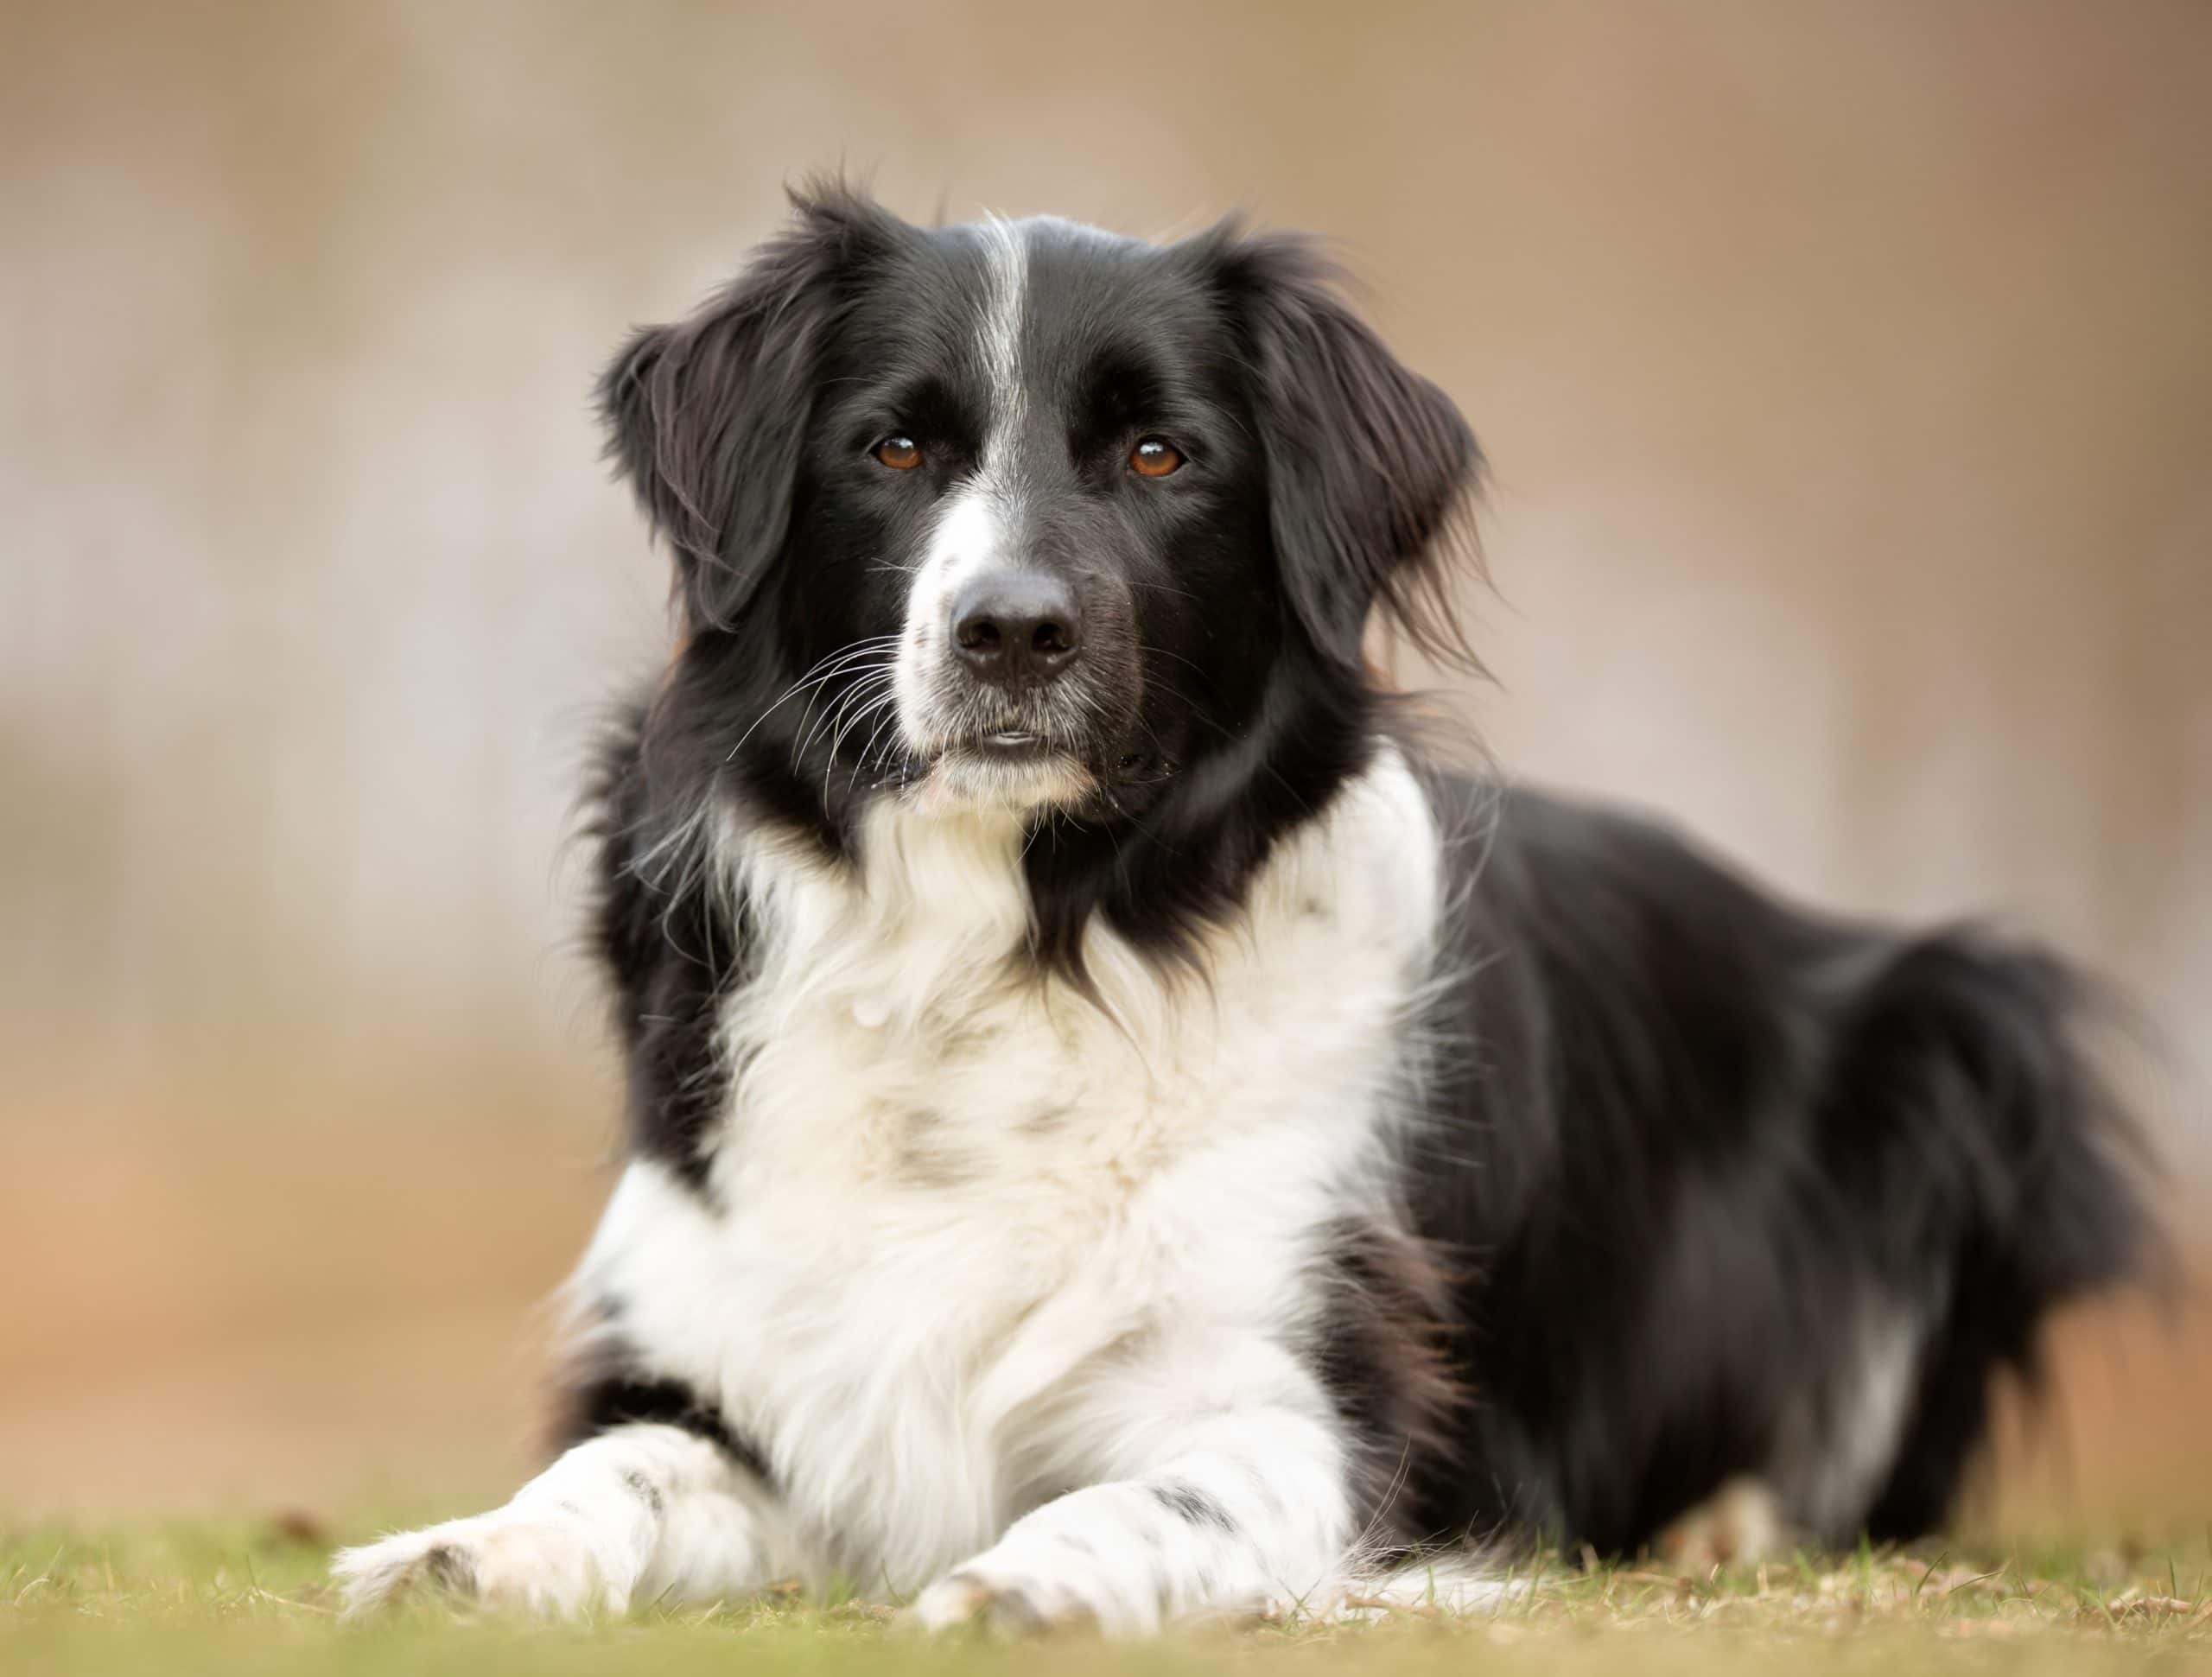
(250, 1597)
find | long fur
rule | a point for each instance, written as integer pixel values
(1144, 1142)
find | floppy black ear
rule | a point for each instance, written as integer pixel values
(1371, 467)
(707, 418)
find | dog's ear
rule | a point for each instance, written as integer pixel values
(707, 418)
(1370, 468)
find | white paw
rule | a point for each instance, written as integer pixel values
(1009, 1606)
(1740, 1524)
(503, 1559)
(1041, 1583)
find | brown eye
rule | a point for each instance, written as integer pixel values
(901, 453)
(1155, 457)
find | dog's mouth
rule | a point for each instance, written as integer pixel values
(1020, 747)
(1012, 745)
(1025, 768)
(1015, 769)
(1020, 761)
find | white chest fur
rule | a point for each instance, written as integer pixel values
(941, 1195)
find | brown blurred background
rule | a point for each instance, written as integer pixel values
(1847, 369)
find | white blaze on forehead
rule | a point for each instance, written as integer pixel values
(1007, 267)
(974, 522)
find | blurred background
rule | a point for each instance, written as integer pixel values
(1847, 369)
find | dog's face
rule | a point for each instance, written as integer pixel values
(1025, 515)
(1035, 481)
(1068, 481)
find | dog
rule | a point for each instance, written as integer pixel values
(1119, 1131)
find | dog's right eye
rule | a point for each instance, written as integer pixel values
(901, 453)
(1155, 457)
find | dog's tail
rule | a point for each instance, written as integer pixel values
(1963, 1073)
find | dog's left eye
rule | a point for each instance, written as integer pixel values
(1155, 457)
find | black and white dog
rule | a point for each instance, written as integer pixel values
(1119, 1135)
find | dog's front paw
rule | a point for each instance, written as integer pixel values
(1740, 1525)
(502, 1560)
(1008, 1606)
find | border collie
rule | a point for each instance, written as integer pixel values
(1117, 1133)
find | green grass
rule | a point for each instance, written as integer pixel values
(245, 1598)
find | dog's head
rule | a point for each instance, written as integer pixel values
(1025, 514)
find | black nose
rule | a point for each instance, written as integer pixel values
(1013, 626)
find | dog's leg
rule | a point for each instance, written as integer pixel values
(635, 1514)
(1247, 1509)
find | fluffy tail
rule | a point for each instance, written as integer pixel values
(2021, 1178)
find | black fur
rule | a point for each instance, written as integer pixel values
(673, 950)
(611, 1400)
(448, 1569)
(1387, 1356)
(646, 1492)
(1676, 1134)
(1686, 1132)
(1192, 1506)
